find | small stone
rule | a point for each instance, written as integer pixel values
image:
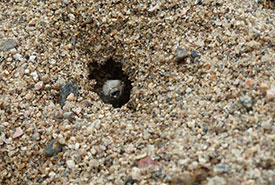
(70, 164)
(183, 179)
(71, 16)
(77, 111)
(71, 97)
(199, 43)
(270, 93)
(33, 22)
(66, 2)
(250, 82)
(45, 78)
(181, 54)
(188, 90)
(216, 180)
(143, 155)
(221, 168)
(68, 116)
(34, 75)
(62, 140)
(267, 124)
(65, 91)
(194, 54)
(145, 162)
(8, 44)
(135, 173)
(183, 161)
(52, 174)
(18, 132)
(191, 124)
(264, 86)
(90, 129)
(32, 58)
(36, 136)
(94, 163)
(59, 115)
(19, 57)
(39, 85)
(247, 102)
(96, 124)
(266, 58)
(53, 148)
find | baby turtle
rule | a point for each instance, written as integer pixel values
(113, 92)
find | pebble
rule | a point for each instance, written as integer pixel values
(143, 155)
(194, 54)
(135, 173)
(181, 54)
(270, 93)
(188, 90)
(250, 82)
(52, 174)
(59, 115)
(70, 164)
(71, 16)
(221, 168)
(53, 148)
(39, 85)
(45, 78)
(183, 161)
(32, 58)
(266, 58)
(36, 136)
(264, 86)
(185, 178)
(8, 44)
(34, 75)
(267, 124)
(94, 163)
(247, 102)
(145, 162)
(19, 57)
(18, 132)
(71, 97)
(65, 91)
(33, 22)
(68, 116)
(216, 181)
(77, 111)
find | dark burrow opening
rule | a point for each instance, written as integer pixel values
(113, 85)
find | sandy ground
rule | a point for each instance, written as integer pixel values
(201, 110)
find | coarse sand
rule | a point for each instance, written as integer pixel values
(202, 92)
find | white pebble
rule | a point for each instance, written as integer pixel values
(34, 75)
(70, 163)
(52, 174)
(19, 57)
(32, 58)
(136, 173)
(39, 85)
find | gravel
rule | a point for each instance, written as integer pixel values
(208, 119)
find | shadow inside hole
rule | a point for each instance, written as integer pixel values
(111, 70)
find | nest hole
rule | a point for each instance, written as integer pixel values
(113, 85)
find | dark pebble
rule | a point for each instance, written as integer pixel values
(53, 148)
(8, 45)
(65, 91)
(194, 54)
